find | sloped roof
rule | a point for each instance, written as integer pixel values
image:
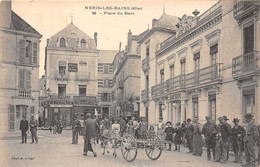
(20, 25)
(73, 35)
(167, 22)
(107, 56)
(138, 37)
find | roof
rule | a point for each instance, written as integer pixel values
(165, 23)
(138, 37)
(107, 56)
(72, 34)
(20, 25)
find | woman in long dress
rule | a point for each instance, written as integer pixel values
(197, 140)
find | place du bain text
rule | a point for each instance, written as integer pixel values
(113, 10)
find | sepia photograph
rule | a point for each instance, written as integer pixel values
(143, 83)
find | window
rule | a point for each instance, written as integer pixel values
(183, 62)
(212, 106)
(196, 66)
(61, 90)
(110, 83)
(160, 111)
(110, 70)
(106, 83)
(62, 43)
(104, 96)
(162, 75)
(100, 83)
(28, 52)
(248, 100)
(147, 51)
(35, 53)
(32, 110)
(147, 86)
(24, 79)
(62, 70)
(18, 113)
(213, 55)
(82, 73)
(195, 107)
(172, 71)
(83, 43)
(248, 35)
(105, 69)
(100, 68)
(82, 90)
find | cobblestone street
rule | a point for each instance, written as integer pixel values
(57, 150)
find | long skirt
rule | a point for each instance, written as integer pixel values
(197, 144)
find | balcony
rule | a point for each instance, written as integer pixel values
(82, 77)
(202, 78)
(24, 93)
(145, 64)
(244, 9)
(245, 65)
(61, 77)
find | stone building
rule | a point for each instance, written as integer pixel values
(19, 68)
(209, 65)
(105, 82)
(127, 67)
(71, 64)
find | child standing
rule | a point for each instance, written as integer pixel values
(169, 130)
(130, 129)
(151, 131)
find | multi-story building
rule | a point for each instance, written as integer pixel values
(127, 77)
(210, 66)
(19, 68)
(105, 82)
(71, 64)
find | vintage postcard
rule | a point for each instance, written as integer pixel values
(142, 83)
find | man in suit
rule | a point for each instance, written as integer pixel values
(90, 130)
(24, 126)
(33, 129)
(189, 135)
(250, 140)
(75, 130)
(209, 131)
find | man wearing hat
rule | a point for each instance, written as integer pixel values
(33, 129)
(24, 126)
(250, 139)
(209, 131)
(75, 130)
(189, 135)
(91, 128)
(237, 135)
(224, 131)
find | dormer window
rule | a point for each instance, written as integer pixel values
(62, 42)
(83, 43)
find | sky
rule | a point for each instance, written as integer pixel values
(50, 17)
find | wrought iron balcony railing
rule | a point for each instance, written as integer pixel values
(241, 6)
(61, 77)
(244, 63)
(204, 75)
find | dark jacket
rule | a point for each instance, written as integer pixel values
(169, 132)
(90, 128)
(252, 134)
(122, 124)
(33, 124)
(189, 131)
(237, 133)
(225, 131)
(24, 125)
(209, 130)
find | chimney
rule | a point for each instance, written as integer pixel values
(95, 38)
(154, 22)
(120, 46)
(48, 41)
(5, 13)
(129, 39)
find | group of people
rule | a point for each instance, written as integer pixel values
(25, 126)
(218, 139)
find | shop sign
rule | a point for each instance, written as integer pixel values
(72, 67)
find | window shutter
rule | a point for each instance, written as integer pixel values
(11, 116)
(21, 50)
(110, 97)
(30, 52)
(99, 97)
(32, 110)
(35, 52)
(28, 80)
(22, 79)
(110, 83)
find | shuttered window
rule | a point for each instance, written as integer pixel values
(28, 52)
(24, 79)
(111, 83)
(32, 110)
(35, 53)
(110, 70)
(22, 51)
(100, 83)
(105, 69)
(11, 116)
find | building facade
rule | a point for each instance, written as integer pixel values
(127, 67)
(19, 68)
(210, 66)
(71, 64)
(105, 82)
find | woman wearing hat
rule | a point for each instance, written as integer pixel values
(178, 137)
(169, 132)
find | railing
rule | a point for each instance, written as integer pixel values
(244, 63)
(204, 75)
(83, 77)
(240, 6)
(145, 64)
(24, 93)
(61, 77)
